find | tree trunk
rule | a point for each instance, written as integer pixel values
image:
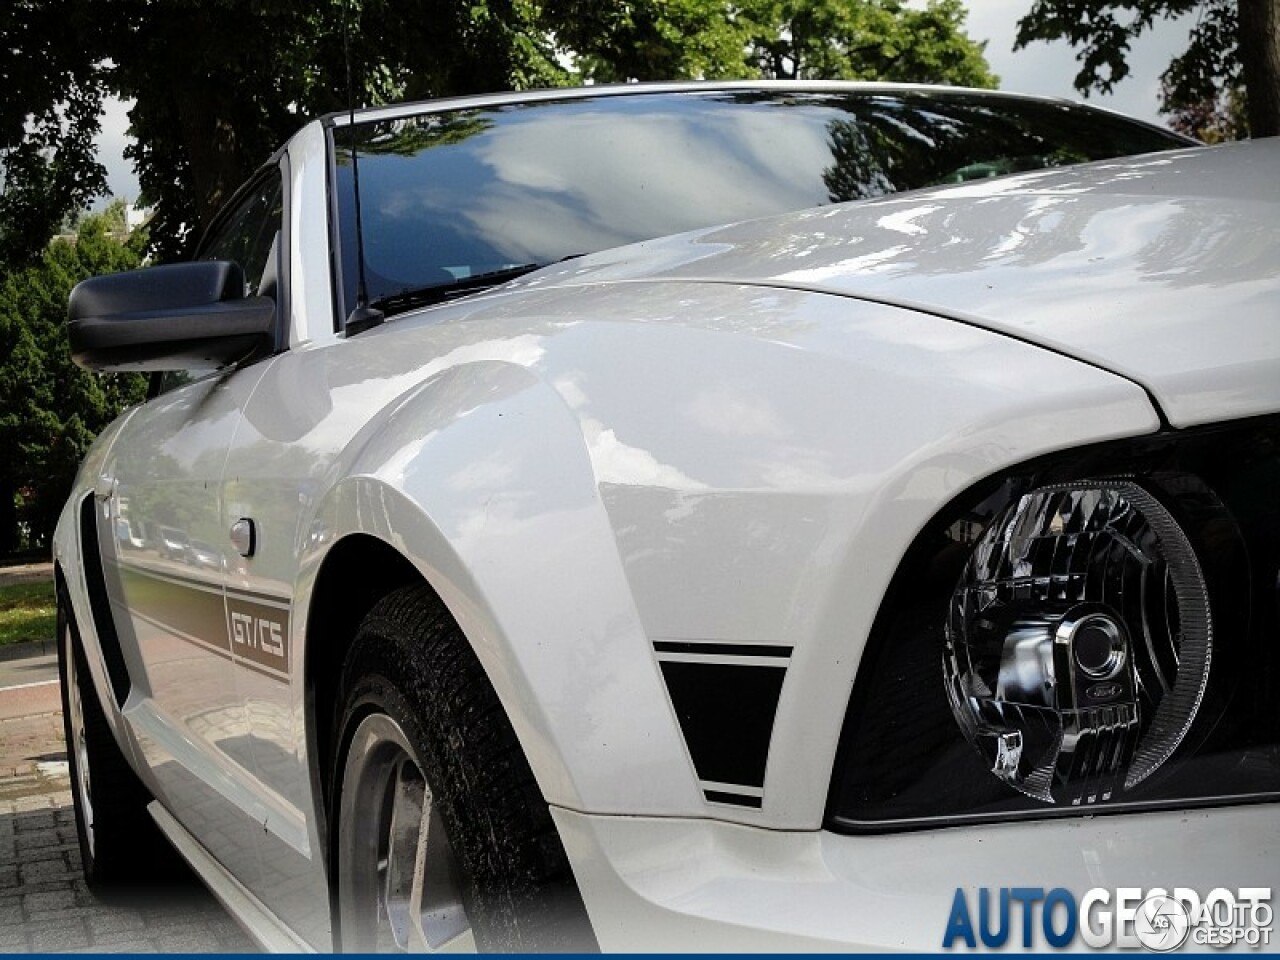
(8, 518)
(208, 132)
(1260, 58)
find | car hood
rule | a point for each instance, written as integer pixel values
(1163, 268)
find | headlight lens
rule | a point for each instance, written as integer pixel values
(1094, 631)
(1078, 641)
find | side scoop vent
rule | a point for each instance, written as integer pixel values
(99, 603)
(725, 698)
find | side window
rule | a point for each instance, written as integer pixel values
(248, 234)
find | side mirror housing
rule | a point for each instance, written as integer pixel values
(181, 316)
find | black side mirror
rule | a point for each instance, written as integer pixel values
(181, 316)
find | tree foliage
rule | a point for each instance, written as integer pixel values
(218, 84)
(882, 40)
(48, 118)
(1226, 83)
(50, 409)
(775, 39)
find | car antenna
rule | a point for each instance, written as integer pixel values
(363, 317)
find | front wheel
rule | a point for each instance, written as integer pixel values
(442, 838)
(119, 842)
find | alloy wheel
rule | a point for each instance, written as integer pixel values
(400, 885)
(78, 748)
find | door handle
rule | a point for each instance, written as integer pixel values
(105, 488)
(244, 536)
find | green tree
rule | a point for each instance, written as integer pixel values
(866, 40)
(50, 409)
(48, 118)
(218, 84)
(622, 40)
(775, 39)
(1227, 81)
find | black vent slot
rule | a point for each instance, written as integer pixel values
(99, 604)
(725, 697)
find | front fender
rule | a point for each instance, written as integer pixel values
(481, 479)
(602, 482)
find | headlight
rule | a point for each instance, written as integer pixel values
(1078, 641)
(1096, 631)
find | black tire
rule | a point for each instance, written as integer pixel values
(120, 845)
(410, 662)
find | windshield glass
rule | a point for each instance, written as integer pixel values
(450, 196)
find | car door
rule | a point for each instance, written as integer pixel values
(168, 594)
(268, 483)
(271, 480)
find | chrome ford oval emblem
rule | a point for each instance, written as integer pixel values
(1103, 691)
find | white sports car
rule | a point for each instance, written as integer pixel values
(520, 557)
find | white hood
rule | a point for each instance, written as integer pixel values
(1163, 268)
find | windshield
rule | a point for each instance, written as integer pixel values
(491, 192)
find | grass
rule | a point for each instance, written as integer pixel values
(27, 612)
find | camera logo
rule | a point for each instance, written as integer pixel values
(1162, 924)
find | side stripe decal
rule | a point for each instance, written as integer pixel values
(251, 629)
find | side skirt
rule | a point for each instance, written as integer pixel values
(246, 909)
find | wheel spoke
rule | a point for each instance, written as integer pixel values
(420, 939)
(406, 836)
(437, 897)
(400, 886)
(465, 942)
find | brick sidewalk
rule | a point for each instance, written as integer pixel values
(44, 903)
(30, 732)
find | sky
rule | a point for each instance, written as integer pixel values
(1046, 69)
